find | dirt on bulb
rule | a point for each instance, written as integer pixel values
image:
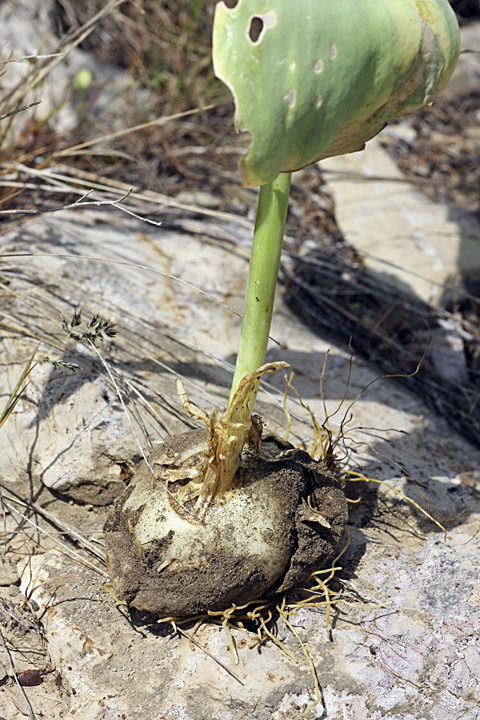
(281, 522)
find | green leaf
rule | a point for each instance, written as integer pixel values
(316, 78)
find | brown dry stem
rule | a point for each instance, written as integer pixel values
(226, 437)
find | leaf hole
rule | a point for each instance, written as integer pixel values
(333, 51)
(318, 67)
(256, 28)
(318, 102)
(231, 3)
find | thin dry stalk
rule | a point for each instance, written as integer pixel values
(66, 180)
(8, 654)
(64, 527)
(43, 69)
(390, 327)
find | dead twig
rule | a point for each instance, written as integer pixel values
(62, 526)
(8, 654)
(191, 639)
(390, 327)
(20, 109)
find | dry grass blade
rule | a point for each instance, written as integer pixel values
(69, 180)
(313, 671)
(122, 133)
(155, 271)
(64, 547)
(28, 710)
(20, 109)
(66, 45)
(207, 652)
(390, 327)
(17, 390)
(60, 524)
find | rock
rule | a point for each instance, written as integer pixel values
(412, 626)
(77, 420)
(3, 672)
(8, 574)
(404, 645)
(404, 236)
(467, 73)
(412, 242)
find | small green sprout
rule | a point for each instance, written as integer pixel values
(82, 80)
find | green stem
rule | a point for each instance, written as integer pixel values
(262, 279)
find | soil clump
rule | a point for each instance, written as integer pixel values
(281, 524)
